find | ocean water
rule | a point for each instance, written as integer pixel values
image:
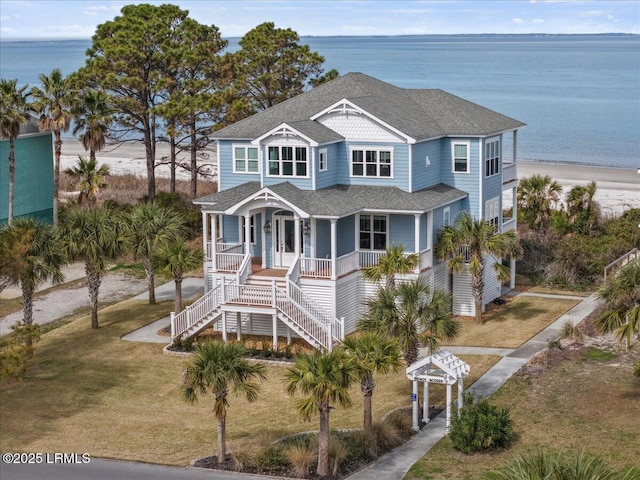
(578, 94)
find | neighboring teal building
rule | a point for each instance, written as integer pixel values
(33, 188)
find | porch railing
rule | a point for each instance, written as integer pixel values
(229, 262)
(347, 263)
(426, 259)
(223, 247)
(316, 267)
(245, 270)
(509, 172)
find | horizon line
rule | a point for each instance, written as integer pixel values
(53, 39)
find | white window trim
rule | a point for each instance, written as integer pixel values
(323, 166)
(246, 160)
(453, 156)
(499, 153)
(252, 229)
(364, 148)
(293, 146)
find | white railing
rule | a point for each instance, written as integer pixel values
(509, 172)
(316, 267)
(508, 224)
(248, 294)
(222, 247)
(465, 251)
(618, 263)
(195, 312)
(293, 274)
(229, 262)
(244, 271)
(426, 259)
(348, 263)
(370, 258)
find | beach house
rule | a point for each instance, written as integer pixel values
(33, 181)
(312, 191)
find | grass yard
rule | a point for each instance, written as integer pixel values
(513, 324)
(92, 392)
(565, 400)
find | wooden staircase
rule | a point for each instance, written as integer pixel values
(264, 294)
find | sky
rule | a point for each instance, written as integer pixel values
(58, 19)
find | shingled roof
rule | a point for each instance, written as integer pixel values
(340, 200)
(418, 113)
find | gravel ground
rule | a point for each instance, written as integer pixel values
(65, 300)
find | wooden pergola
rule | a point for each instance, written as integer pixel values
(442, 368)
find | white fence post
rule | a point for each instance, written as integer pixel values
(173, 325)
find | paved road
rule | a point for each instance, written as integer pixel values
(99, 469)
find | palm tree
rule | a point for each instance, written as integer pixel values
(583, 210)
(152, 226)
(55, 103)
(92, 121)
(412, 314)
(14, 112)
(42, 260)
(89, 179)
(537, 196)
(14, 246)
(392, 262)
(96, 237)
(372, 353)
(325, 377)
(217, 368)
(621, 298)
(465, 246)
(174, 260)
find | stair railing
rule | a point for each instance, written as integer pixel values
(195, 312)
(244, 270)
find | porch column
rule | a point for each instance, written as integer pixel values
(312, 238)
(416, 239)
(515, 150)
(238, 326)
(205, 234)
(429, 229)
(247, 234)
(296, 233)
(264, 238)
(414, 404)
(214, 242)
(334, 247)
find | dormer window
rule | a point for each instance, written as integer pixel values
(287, 161)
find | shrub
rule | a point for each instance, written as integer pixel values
(182, 344)
(636, 369)
(338, 453)
(403, 423)
(242, 460)
(480, 426)
(301, 456)
(272, 459)
(552, 465)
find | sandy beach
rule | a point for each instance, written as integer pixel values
(618, 188)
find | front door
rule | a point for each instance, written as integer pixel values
(285, 243)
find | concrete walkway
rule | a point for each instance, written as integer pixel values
(394, 465)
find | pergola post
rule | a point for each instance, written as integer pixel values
(414, 400)
(275, 331)
(425, 403)
(460, 390)
(448, 420)
(238, 325)
(224, 326)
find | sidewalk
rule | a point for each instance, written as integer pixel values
(394, 465)
(71, 272)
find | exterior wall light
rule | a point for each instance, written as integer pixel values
(267, 227)
(306, 229)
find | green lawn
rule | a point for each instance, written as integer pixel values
(90, 391)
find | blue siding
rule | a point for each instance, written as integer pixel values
(33, 181)
(454, 211)
(423, 176)
(346, 235)
(323, 239)
(335, 157)
(467, 182)
(226, 178)
(230, 229)
(401, 231)
(302, 183)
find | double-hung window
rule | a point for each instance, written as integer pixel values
(460, 152)
(492, 158)
(245, 159)
(371, 162)
(322, 160)
(287, 161)
(373, 232)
